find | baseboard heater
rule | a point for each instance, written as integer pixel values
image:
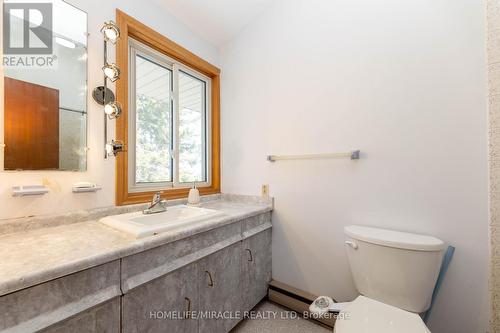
(296, 300)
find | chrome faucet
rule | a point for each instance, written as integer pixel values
(157, 205)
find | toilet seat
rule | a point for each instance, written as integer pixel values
(365, 315)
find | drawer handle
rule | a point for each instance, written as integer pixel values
(210, 280)
(250, 254)
(188, 307)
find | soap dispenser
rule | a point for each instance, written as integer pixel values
(194, 195)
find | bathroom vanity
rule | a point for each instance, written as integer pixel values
(87, 277)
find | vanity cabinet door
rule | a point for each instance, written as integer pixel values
(62, 302)
(256, 268)
(104, 318)
(164, 304)
(219, 284)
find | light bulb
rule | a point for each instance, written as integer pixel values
(112, 72)
(110, 31)
(113, 109)
(111, 34)
(108, 109)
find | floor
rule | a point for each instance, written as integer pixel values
(271, 318)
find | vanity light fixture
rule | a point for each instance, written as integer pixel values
(110, 31)
(111, 71)
(103, 95)
(113, 109)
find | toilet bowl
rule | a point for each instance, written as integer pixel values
(395, 273)
(365, 315)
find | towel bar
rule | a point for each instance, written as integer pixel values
(353, 155)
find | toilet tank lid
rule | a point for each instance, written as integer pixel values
(396, 239)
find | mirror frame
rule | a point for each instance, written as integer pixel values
(87, 104)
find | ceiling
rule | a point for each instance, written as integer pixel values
(216, 21)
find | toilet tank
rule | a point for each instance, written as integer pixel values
(396, 268)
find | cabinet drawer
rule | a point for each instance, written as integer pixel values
(151, 264)
(255, 222)
(104, 318)
(46, 304)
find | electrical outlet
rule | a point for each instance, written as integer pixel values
(265, 190)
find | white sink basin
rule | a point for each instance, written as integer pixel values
(141, 225)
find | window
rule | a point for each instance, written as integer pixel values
(168, 122)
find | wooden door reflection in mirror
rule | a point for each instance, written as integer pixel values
(45, 107)
(31, 116)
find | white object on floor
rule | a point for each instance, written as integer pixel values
(325, 304)
(25, 190)
(365, 315)
(141, 225)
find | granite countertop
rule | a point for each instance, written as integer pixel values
(34, 256)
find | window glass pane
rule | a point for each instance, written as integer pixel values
(153, 122)
(191, 128)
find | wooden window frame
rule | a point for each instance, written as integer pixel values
(130, 27)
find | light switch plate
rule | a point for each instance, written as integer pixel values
(265, 190)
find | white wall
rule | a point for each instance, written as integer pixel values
(493, 42)
(404, 81)
(101, 171)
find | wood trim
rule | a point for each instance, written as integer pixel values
(130, 27)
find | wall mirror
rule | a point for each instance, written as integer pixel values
(45, 86)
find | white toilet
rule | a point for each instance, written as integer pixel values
(395, 272)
